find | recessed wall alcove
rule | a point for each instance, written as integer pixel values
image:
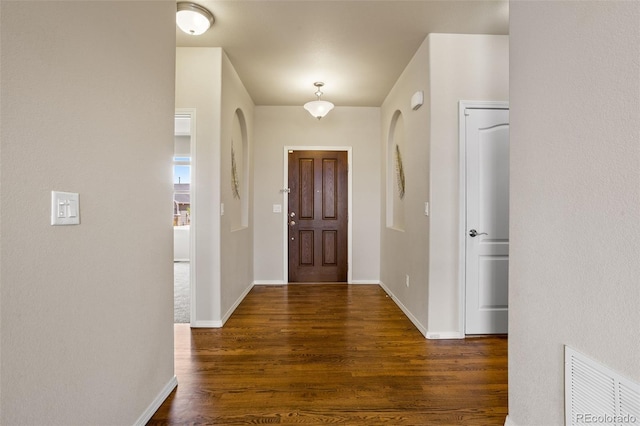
(396, 183)
(239, 176)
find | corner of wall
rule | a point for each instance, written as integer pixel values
(198, 83)
(509, 422)
(416, 322)
(461, 66)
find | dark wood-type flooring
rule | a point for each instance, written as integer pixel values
(332, 354)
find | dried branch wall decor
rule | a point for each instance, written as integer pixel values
(399, 173)
(235, 184)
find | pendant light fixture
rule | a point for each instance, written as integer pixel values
(318, 108)
(193, 19)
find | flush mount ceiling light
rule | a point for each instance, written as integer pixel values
(318, 108)
(193, 19)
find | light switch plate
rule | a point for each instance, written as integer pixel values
(277, 208)
(65, 208)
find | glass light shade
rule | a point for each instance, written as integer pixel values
(193, 19)
(318, 108)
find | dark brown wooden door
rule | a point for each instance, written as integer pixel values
(317, 218)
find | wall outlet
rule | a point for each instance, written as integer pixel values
(407, 280)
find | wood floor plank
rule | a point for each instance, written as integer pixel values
(332, 354)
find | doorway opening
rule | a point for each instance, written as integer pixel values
(317, 196)
(183, 217)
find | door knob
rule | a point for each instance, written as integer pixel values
(474, 233)
(292, 214)
(292, 223)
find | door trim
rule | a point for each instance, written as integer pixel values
(285, 203)
(462, 201)
(191, 112)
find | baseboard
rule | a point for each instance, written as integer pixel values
(365, 282)
(157, 402)
(206, 324)
(220, 323)
(404, 309)
(444, 335)
(508, 422)
(269, 282)
(226, 316)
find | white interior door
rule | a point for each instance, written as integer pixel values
(487, 220)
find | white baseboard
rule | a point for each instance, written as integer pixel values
(444, 335)
(206, 324)
(269, 282)
(220, 323)
(366, 282)
(157, 402)
(508, 422)
(404, 309)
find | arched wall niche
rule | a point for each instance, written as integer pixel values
(395, 213)
(239, 172)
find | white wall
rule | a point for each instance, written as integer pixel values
(237, 241)
(462, 67)
(448, 68)
(86, 311)
(276, 127)
(198, 86)
(575, 197)
(207, 81)
(405, 252)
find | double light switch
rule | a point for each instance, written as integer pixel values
(65, 208)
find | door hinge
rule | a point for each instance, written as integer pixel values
(466, 112)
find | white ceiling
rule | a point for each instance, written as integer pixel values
(358, 48)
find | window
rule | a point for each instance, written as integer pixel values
(181, 191)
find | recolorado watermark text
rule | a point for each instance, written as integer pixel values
(590, 418)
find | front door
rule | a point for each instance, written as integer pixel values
(487, 220)
(317, 216)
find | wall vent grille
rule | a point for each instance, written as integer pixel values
(596, 395)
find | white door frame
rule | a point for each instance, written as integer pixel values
(462, 203)
(191, 112)
(285, 203)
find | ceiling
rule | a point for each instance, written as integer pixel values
(358, 48)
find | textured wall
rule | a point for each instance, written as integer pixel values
(575, 197)
(87, 92)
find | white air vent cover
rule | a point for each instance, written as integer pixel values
(596, 395)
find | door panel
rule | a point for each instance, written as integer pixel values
(487, 203)
(318, 207)
(493, 270)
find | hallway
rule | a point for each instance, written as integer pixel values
(332, 353)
